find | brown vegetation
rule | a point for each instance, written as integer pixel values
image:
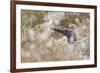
(40, 43)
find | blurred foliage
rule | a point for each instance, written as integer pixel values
(40, 43)
(70, 18)
(31, 18)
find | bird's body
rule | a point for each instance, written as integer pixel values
(69, 33)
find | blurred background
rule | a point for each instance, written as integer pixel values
(39, 42)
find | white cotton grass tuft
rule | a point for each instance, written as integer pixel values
(31, 34)
(49, 44)
(43, 36)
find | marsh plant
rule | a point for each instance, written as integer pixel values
(40, 43)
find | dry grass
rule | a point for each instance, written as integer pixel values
(40, 43)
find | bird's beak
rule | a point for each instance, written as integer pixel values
(58, 30)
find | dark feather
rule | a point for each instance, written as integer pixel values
(67, 32)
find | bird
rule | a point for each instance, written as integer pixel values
(68, 32)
